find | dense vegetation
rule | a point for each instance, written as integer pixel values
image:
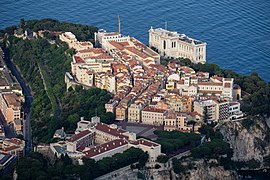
(43, 64)
(214, 147)
(175, 141)
(82, 32)
(36, 167)
(162, 158)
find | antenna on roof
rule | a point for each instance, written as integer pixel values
(119, 25)
(96, 111)
(166, 25)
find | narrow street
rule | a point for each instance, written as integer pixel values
(28, 99)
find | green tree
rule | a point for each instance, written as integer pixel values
(162, 159)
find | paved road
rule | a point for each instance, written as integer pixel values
(28, 98)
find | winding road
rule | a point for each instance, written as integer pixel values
(27, 106)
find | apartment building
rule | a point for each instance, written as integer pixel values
(234, 110)
(212, 110)
(153, 116)
(179, 103)
(111, 106)
(134, 112)
(10, 106)
(173, 44)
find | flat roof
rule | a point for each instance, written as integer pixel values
(12, 99)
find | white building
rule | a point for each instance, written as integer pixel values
(173, 44)
(72, 41)
(97, 140)
(102, 38)
(234, 110)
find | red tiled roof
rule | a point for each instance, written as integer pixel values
(233, 103)
(78, 59)
(79, 136)
(93, 50)
(137, 52)
(217, 78)
(117, 45)
(105, 147)
(149, 109)
(15, 141)
(210, 83)
(9, 148)
(115, 132)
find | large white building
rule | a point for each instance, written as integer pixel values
(173, 44)
(97, 140)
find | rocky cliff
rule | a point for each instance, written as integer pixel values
(200, 170)
(250, 139)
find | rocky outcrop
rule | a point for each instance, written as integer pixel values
(207, 171)
(249, 142)
(200, 170)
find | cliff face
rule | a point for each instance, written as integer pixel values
(250, 142)
(206, 171)
(201, 170)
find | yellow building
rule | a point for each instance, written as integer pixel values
(120, 113)
(179, 103)
(134, 112)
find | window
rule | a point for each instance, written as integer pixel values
(164, 44)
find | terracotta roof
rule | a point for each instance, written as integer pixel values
(9, 148)
(85, 43)
(92, 50)
(137, 52)
(12, 99)
(209, 91)
(94, 151)
(115, 132)
(79, 136)
(117, 45)
(78, 59)
(233, 103)
(149, 109)
(210, 83)
(15, 141)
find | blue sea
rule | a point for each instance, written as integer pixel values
(237, 31)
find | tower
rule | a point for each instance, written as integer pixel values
(119, 25)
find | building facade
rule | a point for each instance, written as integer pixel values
(173, 44)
